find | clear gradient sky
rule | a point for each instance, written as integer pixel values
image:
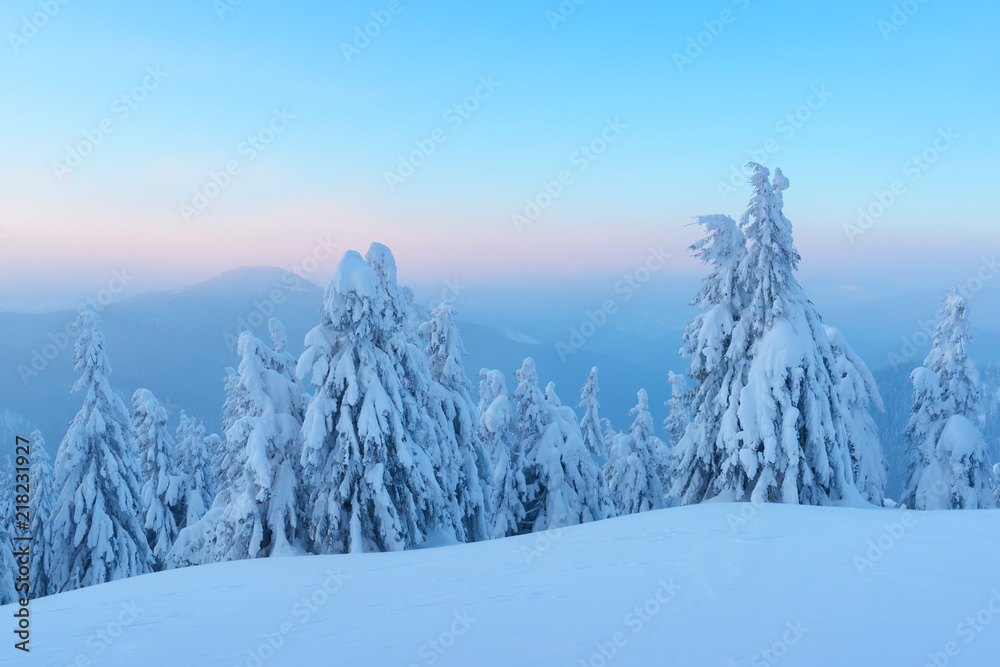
(884, 96)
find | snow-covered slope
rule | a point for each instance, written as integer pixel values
(707, 585)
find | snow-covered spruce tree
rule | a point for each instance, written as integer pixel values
(452, 405)
(563, 485)
(97, 534)
(767, 422)
(996, 483)
(371, 485)
(590, 425)
(261, 516)
(609, 433)
(949, 464)
(634, 462)
(40, 510)
(496, 418)
(425, 421)
(8, 566)
(196, 469)
(161, 484)
(857, 393)
(679, 404)
(696, 459)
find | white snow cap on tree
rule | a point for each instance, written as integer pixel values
(161, 484)
(634, 462)
(949, 464)
(371, 485)
(767, 423)
(96, 531)
(857, 393)
(496, 418)
(563, 484)
(590, 425)
(450, 403)
(40, 510)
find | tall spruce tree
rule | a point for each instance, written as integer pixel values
(563, 485)
(496, 418)
(161, 484)
(455, 412)
(949, 464)
(372, 486)
(768, 424)
(96, 530)
(262, 513)
(40, 510)
(590, 425)
(634, 463)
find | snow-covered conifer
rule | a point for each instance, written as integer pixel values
(161, 484)
(696, 458)
(590, 425)
(451, 403)
(96, 529)
(634, 463)
(371, 485)
(8, 566)
(496, 417)
(563, 485)
(949, 464)
(261, 515)
(857, 393)
(194, 464)
(40, 511)
(767, 423)
(679, 404)
(996, 483)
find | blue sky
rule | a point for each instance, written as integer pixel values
(885, 97)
